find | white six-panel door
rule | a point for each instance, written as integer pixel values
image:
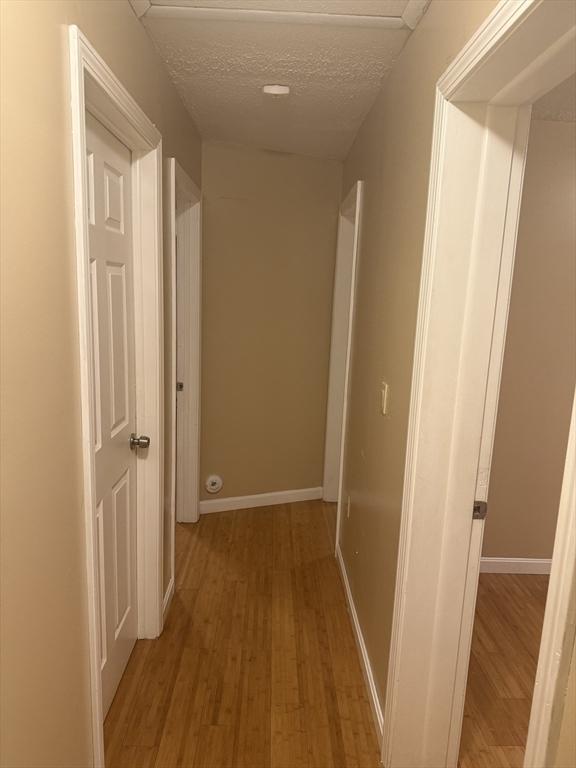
(111, 272)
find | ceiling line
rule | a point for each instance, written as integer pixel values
(275, 17)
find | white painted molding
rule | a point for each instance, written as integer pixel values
(563, 57)
(503, 297)
(352, 203)
(169, 205)
(148, 310)
(344, 294)
(188, 334)
(559, 624)
(503, 20)
(259, 500)
(498, 66)
(457, 308)
(499, 199)
(111, 103)
(414, 12)
(364, 657)
(275, 17)
(415, 416)
(515, 565)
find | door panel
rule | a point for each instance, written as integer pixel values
(96, 395)
(111, 270)
(118, 346)
(121, 520)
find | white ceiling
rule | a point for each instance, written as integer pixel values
(558, 104)
(334, 70)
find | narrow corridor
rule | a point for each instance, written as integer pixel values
(257, 666)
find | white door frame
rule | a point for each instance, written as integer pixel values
(94, 88)
(169, 273)
(481, 126)
(343, 305)
(559, 625)
(185, 227)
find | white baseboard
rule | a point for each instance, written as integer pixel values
(365, 659)
(259, 500)
(514, 565)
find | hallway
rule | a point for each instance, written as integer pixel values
(257, 666)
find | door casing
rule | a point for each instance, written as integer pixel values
(95, 88)
(188, 345)
(481, 126)
(347, 252)
(182, 317)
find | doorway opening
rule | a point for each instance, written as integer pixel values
(182, 342)
(529, 447)
(347, 253)
(481, 131)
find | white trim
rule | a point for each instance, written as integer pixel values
(511, 208)
(357, 201)
(169, 507)
(361, 644)
(526, 565)
(474, 195)
(148, 312)
(465, 643)
(559, 624)
(182, 253)
(415, 415)
(189, 344)
(491, 67)
(439, 478)
(259, 500)
(343, 307)
(480, 48)
(93, 86)
(496, 227)
(194, 13)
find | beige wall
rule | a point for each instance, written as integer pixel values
(44, 664)
(270, 224)
(539, 368)
(392, 154)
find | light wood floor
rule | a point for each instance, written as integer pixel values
(257, 666)
(505, 645)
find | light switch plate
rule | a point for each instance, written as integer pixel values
(385, 397)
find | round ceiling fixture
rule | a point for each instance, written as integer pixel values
(276, 90)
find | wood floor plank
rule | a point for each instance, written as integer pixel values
(504, 656)
(257, 666)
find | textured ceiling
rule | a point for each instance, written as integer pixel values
(558, 104)
(334, 71)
